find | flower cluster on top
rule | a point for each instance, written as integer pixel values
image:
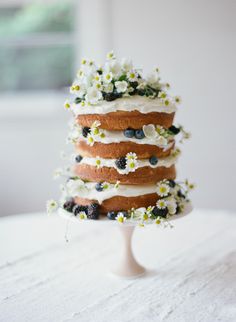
(115, 80)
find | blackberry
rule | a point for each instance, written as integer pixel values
(110, 97)
(172, 183)
(111, 215)
(180, 194)
(78, 158)
(175, 130)
(99, 186)
(139, 134)
(160, 212)
(178, 210)
(85, 131)
(93, 211)
(121, 163)
(141, 92)
(78, 208)
(69, 205)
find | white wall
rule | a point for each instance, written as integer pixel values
(193, 43)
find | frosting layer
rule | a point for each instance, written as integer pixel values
(134, 103)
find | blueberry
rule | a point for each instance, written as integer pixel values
(139, 134)
(98, 186)
(111, 215)
(85, 131)
(160, 212)
(153, 160)
(175, 130)
(78, 208)
(121, 163)
(69, 205)
(129, 133)
(78, 158)
(93, 211)
(172, 183)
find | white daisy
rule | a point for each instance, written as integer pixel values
(78, 89)
(110, 55)
(51, 206)
(163, 189)
(117, 184)
(108, 88)
(126, 64)
(82, 215)
(67, 104)
(98, 162)
(107, 77)
(131, 165)
(161, 204)
(90, 140)
(96, 124)
(120, 218)
(132, 76)
(150, 131)
(121, 86)
(105, 185)
(160, 129)
(131, 156)
(162, 95)
(93, 95)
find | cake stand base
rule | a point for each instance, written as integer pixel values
(127, 266)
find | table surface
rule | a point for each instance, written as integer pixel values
(191, 271)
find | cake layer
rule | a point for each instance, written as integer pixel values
(119, 203)
(122, 120)
(144, 175)
(117, 150)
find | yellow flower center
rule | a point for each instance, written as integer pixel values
(95, 131)
(76, 87)
(167, 102)
(120, 219)
(83, 61)
(108, 76)
(158, 221)
(132, 165)
(145, 216)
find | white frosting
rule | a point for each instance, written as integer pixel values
(88, 191)
(110, 163)
(118, 136)
(139, 103)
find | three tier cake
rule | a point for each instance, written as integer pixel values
(125, 146)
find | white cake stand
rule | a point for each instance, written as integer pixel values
(126, 265)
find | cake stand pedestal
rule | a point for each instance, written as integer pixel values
(126, 265)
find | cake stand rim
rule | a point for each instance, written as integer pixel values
(105, 221)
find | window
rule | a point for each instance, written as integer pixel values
(36, 45)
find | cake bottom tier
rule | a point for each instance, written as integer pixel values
(119, 203)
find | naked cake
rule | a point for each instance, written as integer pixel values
(124, 138)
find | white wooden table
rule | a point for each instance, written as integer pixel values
(191, 277)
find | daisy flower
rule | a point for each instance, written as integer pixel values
(132, 76)
(78, 89)
(107, 77)
(131, 156)
(161, 204)
(51, 206)
(98, 162)
(93, 95)
(126, 65)
(110, 55)
(67, 104)
(120, 218)
(163, 189)
(90, 140)
(82, 215)
(131, 165)
(108, 88)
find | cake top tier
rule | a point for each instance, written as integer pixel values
(118, 85)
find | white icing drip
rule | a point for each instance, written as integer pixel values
(89, 191)
(139, 103)
(110, 163)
